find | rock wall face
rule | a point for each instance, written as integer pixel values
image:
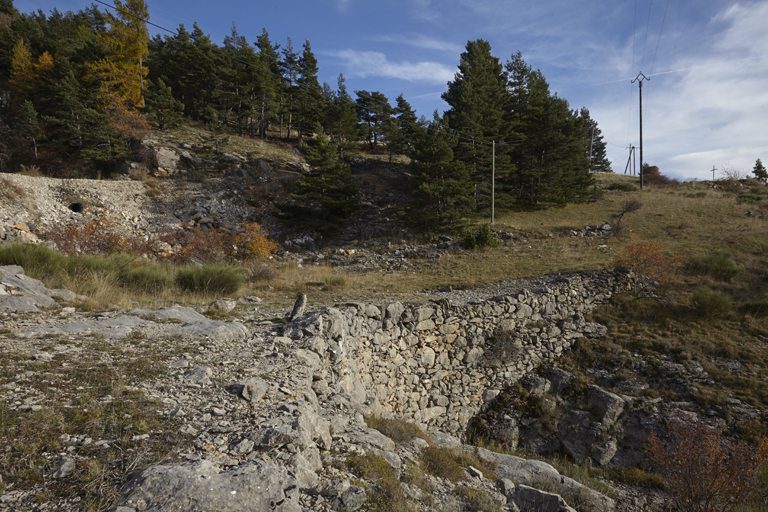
(437, 365)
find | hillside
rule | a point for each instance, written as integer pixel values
(559, 365)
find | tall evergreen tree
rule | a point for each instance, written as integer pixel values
(268, 88)
(28, 125)
(340, 119)
(163, 110)
(374, 112)
(289, 66)
(444, 187)
(310, 99)
(237, 96)
(551, 164)
(401, 129)
(478, 100)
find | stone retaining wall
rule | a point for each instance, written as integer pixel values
(438, 364)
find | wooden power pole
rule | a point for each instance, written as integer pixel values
(640, 81)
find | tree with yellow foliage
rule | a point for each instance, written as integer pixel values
(28, 76)
(121, 72)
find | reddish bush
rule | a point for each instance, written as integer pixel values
(706, 471)
(649, 259)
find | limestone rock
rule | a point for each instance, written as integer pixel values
(606, 405)
(203, 487)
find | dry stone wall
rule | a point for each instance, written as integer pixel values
(438, 364)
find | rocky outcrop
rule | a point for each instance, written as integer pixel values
(21, 293)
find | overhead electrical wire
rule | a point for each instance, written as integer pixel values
(462, 135)
(647, 27)
(631, 72)
(659, 39)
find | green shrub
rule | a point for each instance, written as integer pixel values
(485, 237)
(717, 264)
(622, 186)
(147, 279)
(213, 279)
(711, 303)
(470, 242)
(38, 260)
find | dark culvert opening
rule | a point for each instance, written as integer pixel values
(76, 207)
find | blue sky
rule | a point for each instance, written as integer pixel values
(706, 103)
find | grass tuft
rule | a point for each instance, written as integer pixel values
(400, 431)
(709, 303)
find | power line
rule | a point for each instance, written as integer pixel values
(647, 27)
(659, 39)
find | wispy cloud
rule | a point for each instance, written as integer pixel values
(422, 41)
(342, 5)
(365, 64)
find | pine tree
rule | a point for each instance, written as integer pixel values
(401, 129)
(289, 67)
(551, 164)
(444, 186)
(478, 100)
(239, 77)
(759, 171)
(374, 112)
(310, 100)
(163, 110)
(268, 87)
(340, 118)
(28, 125)
(326, 197)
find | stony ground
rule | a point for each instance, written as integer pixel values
(222, 404)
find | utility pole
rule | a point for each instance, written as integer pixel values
(640, 81)
(629, 161)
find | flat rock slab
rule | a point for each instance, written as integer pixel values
(173, 313)
(114, 328)
(197, 325)
(10, 304)
(20, 293)
(222, 331)
(204, 487)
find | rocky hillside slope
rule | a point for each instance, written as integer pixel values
(268, 414)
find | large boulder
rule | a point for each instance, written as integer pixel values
(204, 487)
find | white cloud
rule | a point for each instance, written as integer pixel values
(704, 108)
(364, 64)
(422, 41)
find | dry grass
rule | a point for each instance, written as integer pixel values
(11, 191)
(73, 392)
(269, 150)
